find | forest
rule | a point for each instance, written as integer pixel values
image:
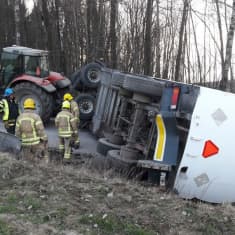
(182, 40)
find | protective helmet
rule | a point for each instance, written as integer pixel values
(66, 105)
(29, 104)
(8, 92)
(68, 97)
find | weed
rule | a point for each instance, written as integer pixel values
(32, 203)
(113, 225)
(5, 229)
(8, 209)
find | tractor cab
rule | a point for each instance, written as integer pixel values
(16, 61)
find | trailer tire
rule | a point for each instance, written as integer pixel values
(43, 100)
(103, 146)
(90, 75)
(86, 104)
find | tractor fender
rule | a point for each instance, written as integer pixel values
(58, 80)
(42, 83)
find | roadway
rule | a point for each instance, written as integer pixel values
(88, 142)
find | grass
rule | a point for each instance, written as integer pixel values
(32, 203)
(113, 225)
(5, 229)
(10, 204)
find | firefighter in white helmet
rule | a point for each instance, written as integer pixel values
(75, 111)
(67, 127)
(30, 130)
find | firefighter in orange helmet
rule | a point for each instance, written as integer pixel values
(75, 111)
(30, 130)
(67, 127)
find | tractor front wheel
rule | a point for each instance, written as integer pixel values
(43, 100)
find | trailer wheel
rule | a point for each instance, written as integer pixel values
(104, 146)
(43, 100)
(90, 75)
(86, 104)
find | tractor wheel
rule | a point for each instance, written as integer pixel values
(89, 75)
(43, 100)
(86, 104)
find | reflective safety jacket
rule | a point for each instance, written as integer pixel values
(30, 128)
(75, 110)
(66, 123)
(10, 109)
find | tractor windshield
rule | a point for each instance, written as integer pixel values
(36, 65)
(10, 67)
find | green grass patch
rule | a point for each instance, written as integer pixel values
(32, 203)
(211, 226)
(9, 204)
(8, 209)
(110, 225)
(5, 229)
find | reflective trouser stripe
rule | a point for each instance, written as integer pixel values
(67, 148)
(30, 143)
(61, 147)
(161, 138)
(65, 134)
(64, 145)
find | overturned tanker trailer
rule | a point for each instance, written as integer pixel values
(180, 133)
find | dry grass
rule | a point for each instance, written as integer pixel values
(87, 199)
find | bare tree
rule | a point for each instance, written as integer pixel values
(147, 39)
(113, 34)
(229, 46)
(17, 21)
(181, 35)
(220, 36)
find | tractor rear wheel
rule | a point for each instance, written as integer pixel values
(43, 100)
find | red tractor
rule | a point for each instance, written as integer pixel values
(26, 70)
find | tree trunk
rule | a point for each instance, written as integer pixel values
(113, 34)
(180, 45)
(148, 39)
(158, 38)
(17, 21)
(229, 46)
(221, 39)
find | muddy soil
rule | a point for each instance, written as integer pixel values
(83, 198)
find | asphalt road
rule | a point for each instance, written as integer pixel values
(87, 141)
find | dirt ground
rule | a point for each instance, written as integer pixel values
(77, 199)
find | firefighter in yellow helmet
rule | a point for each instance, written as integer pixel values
(31, 132)
(67, 127)
(75, 111)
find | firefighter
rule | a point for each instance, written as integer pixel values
(66, 124)
(30, 130)
(10, 110)
(75, 111)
